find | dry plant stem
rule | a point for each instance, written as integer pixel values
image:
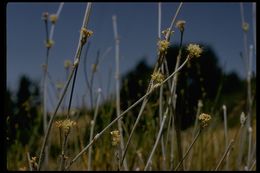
(53, 25)
(249, 93)
(194, 129)
(86, 75)
(29, 163)
(161, 117)
(241, 146)
(161, 87)
(225, 132)
(156, 142)
(157, 67)
(253, 165)
(121, 115)
(92, 124)
(254, 25)
(45, 69)
(63, 151)
(224, 155)
(175, 118)
(72, 89)
(187, 152)
(249, 145)
(117, 77)
(77, 56)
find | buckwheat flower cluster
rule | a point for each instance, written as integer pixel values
(194, 50)
(157, 77)
(164, 32)
(163, 46)
(115, 137)
(65, 124)
(85, 34)
(53, 18)
(49, 43)
(204, 119)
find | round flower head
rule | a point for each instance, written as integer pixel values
(65, 124)
(204, 119)
(53, 18)
(85, 34)
(180, 25)
(163, 45)
(157, 77)
(115, 137)
(194, 50)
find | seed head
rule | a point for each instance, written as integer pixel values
(115, 137)
(194, 50)
(180, 25)
(204, 119)
(45, 16)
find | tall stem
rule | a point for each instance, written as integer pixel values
(117, 77)
(77, 57)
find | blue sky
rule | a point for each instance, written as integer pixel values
(216, 24)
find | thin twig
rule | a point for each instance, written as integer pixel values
(196, 137)
(29, 161)
(92, 123)
(224, 155)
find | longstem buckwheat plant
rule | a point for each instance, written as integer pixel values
(225, 132)
(161, 89)
(175, 118)
(92, 125)
(163, 45)
(204, 122)
(123, 113)
(117, 77)
(82, 41)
